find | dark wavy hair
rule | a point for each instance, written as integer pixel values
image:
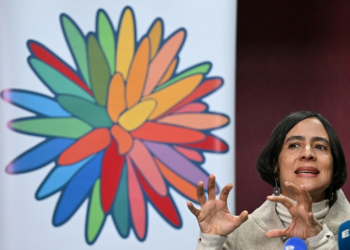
(268, 158)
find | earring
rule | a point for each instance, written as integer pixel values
(276, 189)
(332, 194)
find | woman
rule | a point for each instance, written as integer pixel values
(304, 161)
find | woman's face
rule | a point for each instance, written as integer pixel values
(306, 159)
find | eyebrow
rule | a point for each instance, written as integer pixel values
(302, 138)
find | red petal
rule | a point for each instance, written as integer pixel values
(48, 57)
(164, 204)
(112, 166)
(152, 131)
(210, 143)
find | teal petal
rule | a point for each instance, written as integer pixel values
(89, 112)
(58, 83)
(76, 42)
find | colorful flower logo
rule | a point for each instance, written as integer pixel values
(121, 128)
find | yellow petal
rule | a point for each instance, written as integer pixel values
(137, 115)
(155, 35)
(116, 97)
(173, 94)
(125, 43)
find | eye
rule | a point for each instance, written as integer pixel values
(320, 147)
(293, 145)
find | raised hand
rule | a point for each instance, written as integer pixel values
(304, 225)
(214, 217)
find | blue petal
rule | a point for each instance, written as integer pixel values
(34, 102)
(39, 156)
(58, 177)
(77, 190)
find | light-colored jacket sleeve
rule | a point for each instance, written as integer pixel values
(210, 242)
(325, 240)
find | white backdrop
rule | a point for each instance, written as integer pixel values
(26, 223)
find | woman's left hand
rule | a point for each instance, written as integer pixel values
(304, 225)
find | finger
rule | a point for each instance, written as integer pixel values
(281, 199)
(200, 193)
(312, 219)
(306, 197)
(211, 187)
(193, 210)
(295, 189)
(238, 220)
(275, 233)
(225, 191)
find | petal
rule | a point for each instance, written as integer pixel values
(95, 217)
(164, 205)
(87, 145)
(204, 89)
(178, 163)
(145, 163)
(198, 69)
(76, 42)
(196, 121)
(56, 127)
(106, 38)
(38, 156)
(152, 131)
(137, 75)
(34, 102)
(192, 108)
(123, 139)
(183, 186)
(59, 177)
(77, 191)
(162, 60)
(211, 143)
(55, 62)
(155, 35)
(112, 166)
(137, 115)
(120, 209)
(89, 112)
(137, 203)
(169, 97)
(126, 43)
(55, 81)
(116, 97)
(99, 71)
(169, 72)
(190, 154)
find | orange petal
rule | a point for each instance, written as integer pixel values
(137, 74)
(87, 145)
(123, 139)
(180, 184)
(169, 72)
(155, 35)
(116, 97)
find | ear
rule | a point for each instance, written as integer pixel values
(277, 171)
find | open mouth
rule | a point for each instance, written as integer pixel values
(307, 170)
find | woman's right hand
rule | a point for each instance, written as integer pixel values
(214, 217)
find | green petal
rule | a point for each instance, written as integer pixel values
(106, 38)
(89, 112)
(99, 71)
(58, 83)
(96, 216)
(68, 127)
(200, 69)
(120, 209)
(76, 43)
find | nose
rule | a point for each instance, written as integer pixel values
(308, 154)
